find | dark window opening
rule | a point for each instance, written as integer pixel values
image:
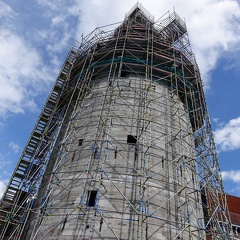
(91, 198)
(96, 153)
(100, 227)
(64, 222)
(131, 139)
(124, 74)
(162, 162)
(80, 142)
(136, 154)
(115, 153)
(73, 156)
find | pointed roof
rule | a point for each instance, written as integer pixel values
(139, 8)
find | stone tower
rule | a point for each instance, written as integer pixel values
(125, 150)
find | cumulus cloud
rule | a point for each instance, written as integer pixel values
(22, 73)
(231, 180)
(6, 11)
(27, 66)
(233, 175)
(2, 188)
(63, 17)
(216, 120)
(227, 136)
(14, 146)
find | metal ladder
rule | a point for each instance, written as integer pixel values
(25, 181)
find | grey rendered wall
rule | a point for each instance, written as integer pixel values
(144, 190)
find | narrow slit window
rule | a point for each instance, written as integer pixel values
(115, 153)
(80, 142)
(131, 139)
(136, 154)
(96, 153)
(91, 198)
(73, 156)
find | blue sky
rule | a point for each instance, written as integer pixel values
(35, 36)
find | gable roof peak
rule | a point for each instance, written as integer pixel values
(139, 8)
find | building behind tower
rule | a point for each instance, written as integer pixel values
(123, 148)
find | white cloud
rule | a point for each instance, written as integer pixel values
(58, 44)
(233, 175)
(2, 188)
(216, 120)
(25, 70)
(14, 146)
(231, 181)
(227, 136)
(6, 11)
(22, 74)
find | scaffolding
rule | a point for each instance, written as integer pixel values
(123, 148)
